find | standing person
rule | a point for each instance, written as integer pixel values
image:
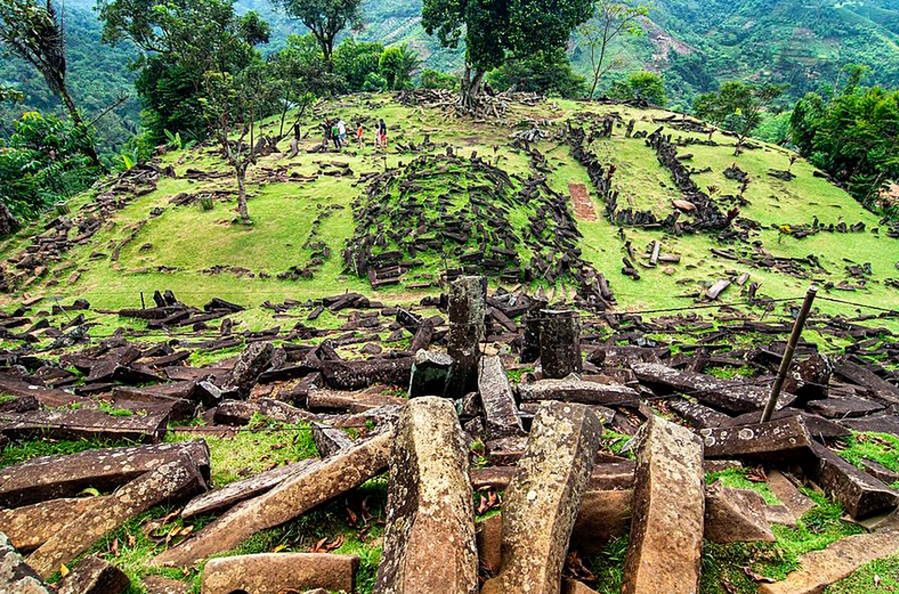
(335, 134)
(360, 134)
(341, 132)
(326, 133)
(382, 134)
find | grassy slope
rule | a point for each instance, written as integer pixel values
(191, 240)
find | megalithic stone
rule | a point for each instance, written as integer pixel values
(319, 482)
(466, 311)
(543, 499)
(15, 575)
(500, 411)
(530, 340)
(560, 343)
(272, 573)
(666, 531)
(30, 526)
(93, 575)
(429, 542)
(176, 479)
(860, 493)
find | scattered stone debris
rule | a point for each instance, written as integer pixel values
(535, 381)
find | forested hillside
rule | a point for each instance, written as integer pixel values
(98, 73)
(696, 43)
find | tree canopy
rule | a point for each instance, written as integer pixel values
(737, 106)
(325, 19)
(497, 30)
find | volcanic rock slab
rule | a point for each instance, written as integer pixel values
(429, 541)
(728, 395)
(274, 573)
(571, 389)
(500, 412)
(30, 526)
(175, 479)
(93, 575)
(64, 476)
(543, 499)
(560, 343)
(15, 575)
(861, 494)
(667, 527)
(318, 483)
(819, 569)
(466, 310)
(773, 440)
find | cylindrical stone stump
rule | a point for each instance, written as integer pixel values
(560, 343)
(467, 309)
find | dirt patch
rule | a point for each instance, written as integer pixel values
(580, 199)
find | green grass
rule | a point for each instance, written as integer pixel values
(737, 478)
(882, 448)
(17, 452)
(249, 451)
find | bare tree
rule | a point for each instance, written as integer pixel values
(610, 21)
(31, 31)
(232, 104)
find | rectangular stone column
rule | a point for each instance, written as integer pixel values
(429, 542)
(560, 343)
(466, 310)
(544, 498)
(668, 506)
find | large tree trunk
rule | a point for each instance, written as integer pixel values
(471, 88)
(242, 210)
(89, 150)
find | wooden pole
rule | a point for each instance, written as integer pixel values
(788, 353)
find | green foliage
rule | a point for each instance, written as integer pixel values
(881, 448)
(325, 19)
(181, 41)
(737, 106)
(641, 86)
(397, 64)
(547, 72)
(354, 61)
(497, 30)
(8, 93)
(774, 128)
(43, 162)
(853, 136)
(433, 79)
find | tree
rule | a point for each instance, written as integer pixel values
(232, 103)
(737, 106)
(853, 137)
(434, 79)
(353, 62)
(32, 32)
(44, 161)
(546, 72)
(610, 21)
(641, 86)
(299, 75)
(496, 30)
(181, 41)
(397, 64)
(325, 19)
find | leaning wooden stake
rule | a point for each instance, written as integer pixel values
(788, 353)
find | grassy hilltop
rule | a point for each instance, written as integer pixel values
(307, 212)
(300, 203)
